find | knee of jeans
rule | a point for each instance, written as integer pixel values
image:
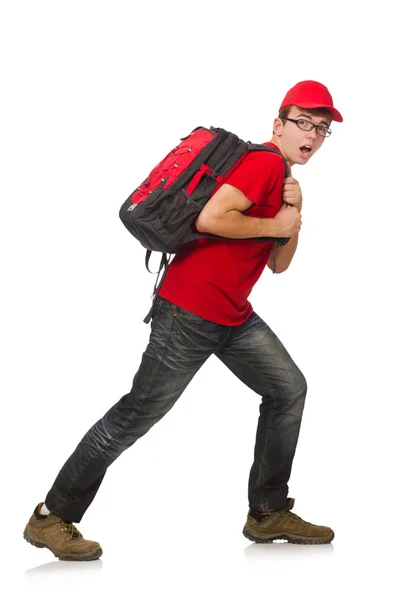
(302, 384)
(298, 392)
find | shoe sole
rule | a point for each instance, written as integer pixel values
(292, 539)
(78, 557)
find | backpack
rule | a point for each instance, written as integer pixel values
(161, 211)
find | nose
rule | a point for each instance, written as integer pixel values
(312, 135)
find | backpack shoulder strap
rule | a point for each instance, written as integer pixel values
(254, 147)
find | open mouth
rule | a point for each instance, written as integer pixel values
(305, 151)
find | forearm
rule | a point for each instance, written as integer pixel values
(233, 224)
(284, 255)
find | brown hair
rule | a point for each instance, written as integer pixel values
(284, 113)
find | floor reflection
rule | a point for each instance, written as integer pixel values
(255, 552)
(82, 568)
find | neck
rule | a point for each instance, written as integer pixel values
(276, 140)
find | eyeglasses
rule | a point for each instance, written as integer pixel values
(308, 126)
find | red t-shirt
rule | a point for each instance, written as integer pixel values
(214, 277)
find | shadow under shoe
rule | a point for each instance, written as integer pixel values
(282, 524)
(59, 536)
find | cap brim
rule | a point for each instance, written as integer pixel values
(336, 116)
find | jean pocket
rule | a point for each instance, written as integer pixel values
(188, 317)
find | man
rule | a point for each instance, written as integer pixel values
(203, 309)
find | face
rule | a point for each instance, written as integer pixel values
(298, 145)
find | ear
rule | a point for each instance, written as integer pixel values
(277, 126)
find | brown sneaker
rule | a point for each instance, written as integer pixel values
(281, 524)
(61, 537)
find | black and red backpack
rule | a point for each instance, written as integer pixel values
(161, 212)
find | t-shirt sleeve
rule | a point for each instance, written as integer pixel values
(257, 175)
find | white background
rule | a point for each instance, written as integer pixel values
(93, 94)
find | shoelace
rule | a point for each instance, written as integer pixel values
(286, 511)
(71, 530)
(296, 518)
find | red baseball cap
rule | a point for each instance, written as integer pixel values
(311, 94)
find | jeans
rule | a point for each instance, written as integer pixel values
(180, 343)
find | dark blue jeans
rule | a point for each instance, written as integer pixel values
(180, 343)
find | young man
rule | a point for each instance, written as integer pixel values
(203, 309)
